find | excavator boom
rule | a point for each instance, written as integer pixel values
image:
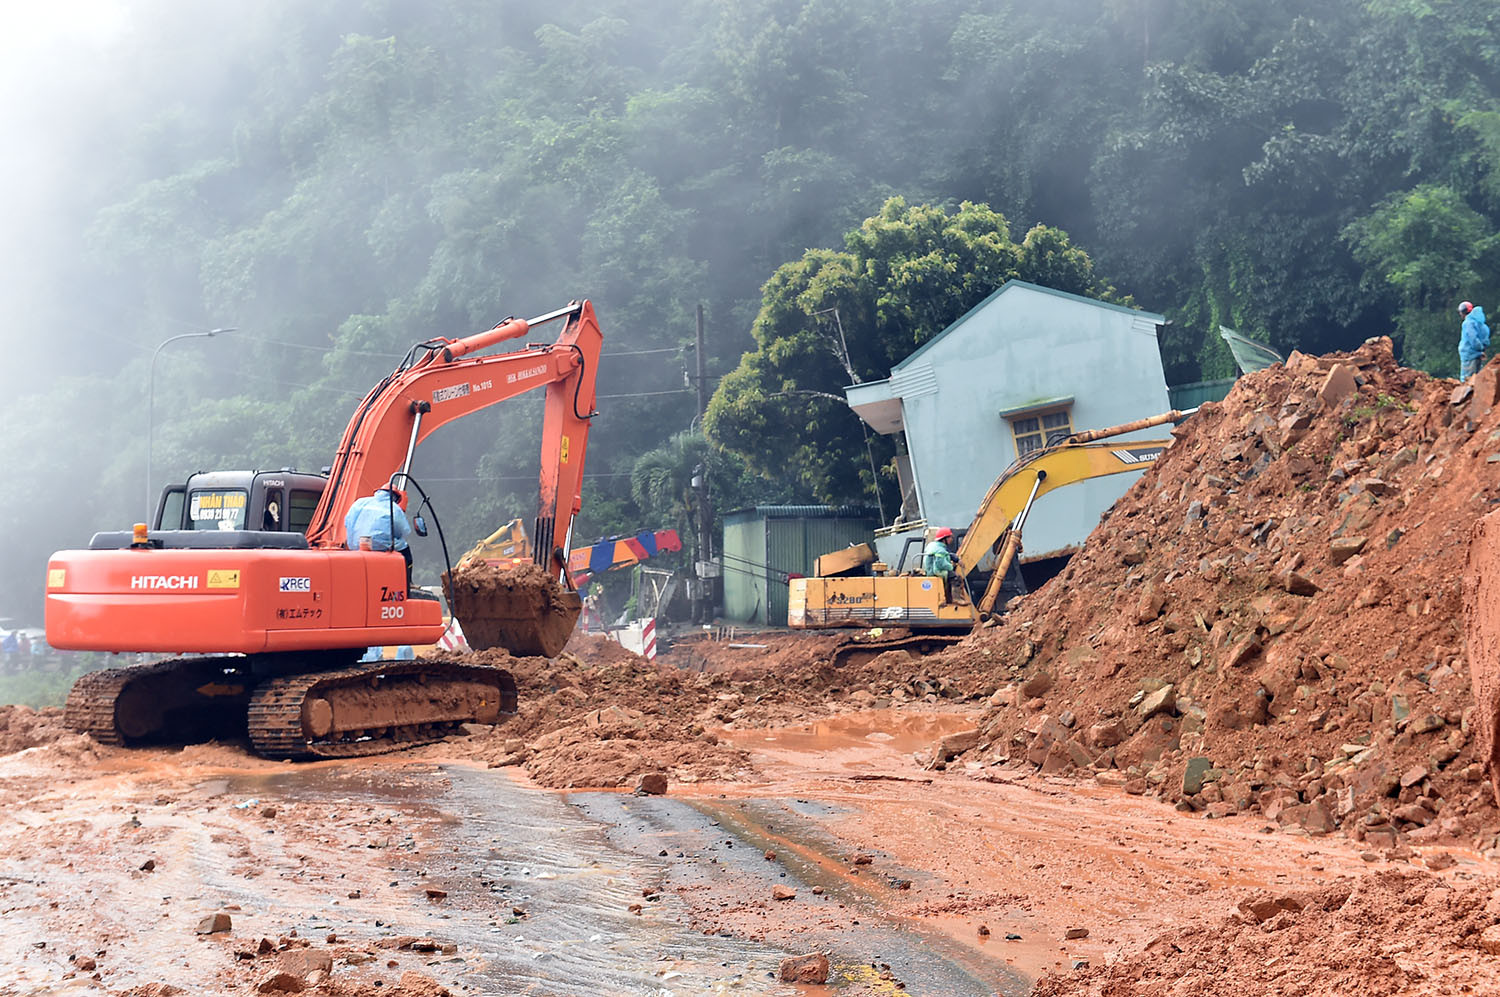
(440, 382)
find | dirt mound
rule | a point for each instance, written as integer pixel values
(1482, 612)
(521, 609)
(1388, 933)
(599, 715)
(1271, 619)
(22, 727)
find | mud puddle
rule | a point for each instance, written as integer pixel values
(868, 740)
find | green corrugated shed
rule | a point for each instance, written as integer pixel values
(766, 543)
(1185, 396)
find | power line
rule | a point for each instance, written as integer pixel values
(649, 394)
(520, 477)
(330, 349)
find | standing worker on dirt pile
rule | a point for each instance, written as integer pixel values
(1473, 340)
(380, 518)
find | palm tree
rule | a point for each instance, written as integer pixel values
(661, 482)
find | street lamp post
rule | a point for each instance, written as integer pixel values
(151, 407)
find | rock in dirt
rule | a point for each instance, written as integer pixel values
(304, 962)
(949, 745)
(414, 984)
(214, 924)
(783, 893)
(810, 968)
(154, 990)
(651, 784)
(280, 983)
(1163, 700)
(1489, 939)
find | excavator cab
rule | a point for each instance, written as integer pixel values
(268, 501)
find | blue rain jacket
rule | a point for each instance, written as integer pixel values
(376, 516)
(1474, 337)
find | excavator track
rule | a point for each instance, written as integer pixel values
(373, 709)
(340, 713)
(178, 699)
(863, 649)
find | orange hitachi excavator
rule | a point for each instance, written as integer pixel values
(275, 619)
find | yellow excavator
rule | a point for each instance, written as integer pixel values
(507, 547)
(928, 612)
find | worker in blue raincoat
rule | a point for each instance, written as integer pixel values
(1473, 340)
(382, 518)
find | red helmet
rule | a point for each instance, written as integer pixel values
(1466, 307)
(943, 533)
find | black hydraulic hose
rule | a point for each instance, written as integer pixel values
(578, 385)
(407, 479)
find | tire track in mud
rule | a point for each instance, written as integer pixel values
(716, 854)
(494, 847)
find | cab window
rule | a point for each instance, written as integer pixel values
(217, 509)
(171, 509)
(301, 510)
(275, 510)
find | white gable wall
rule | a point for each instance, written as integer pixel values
(1024, 346)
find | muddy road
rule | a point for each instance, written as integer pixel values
(402, 875)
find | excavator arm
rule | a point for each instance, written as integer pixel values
(997, 524)
(440, 381)
(1048, 471)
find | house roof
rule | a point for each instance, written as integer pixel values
(1133, 312)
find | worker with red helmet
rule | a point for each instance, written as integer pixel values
(1473, 339)
(937, 556)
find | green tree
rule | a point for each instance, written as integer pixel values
(835, 318)
(661, 482)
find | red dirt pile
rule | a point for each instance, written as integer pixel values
(601, 716)
(1409, 933)
(1271, 619)
(1389, 933)
(21, 727)
(1482, 612)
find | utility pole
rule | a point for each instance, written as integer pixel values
(703, 605)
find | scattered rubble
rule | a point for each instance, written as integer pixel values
(1383, 934)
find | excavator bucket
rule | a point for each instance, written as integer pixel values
(521, 610)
